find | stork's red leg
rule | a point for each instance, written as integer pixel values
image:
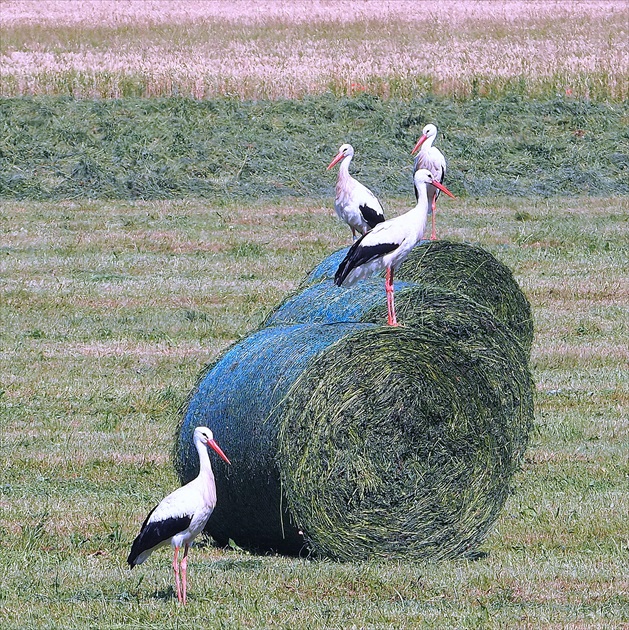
(184, 568)
(433, 234)
(176, 569)
(388, 285)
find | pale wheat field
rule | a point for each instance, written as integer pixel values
(281, 49)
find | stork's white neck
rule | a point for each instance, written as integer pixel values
(205, 467)
(344, 167)
(420, 211)
(427, 144)
(343, 181)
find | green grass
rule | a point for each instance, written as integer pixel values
(110, 309)
(226, 150)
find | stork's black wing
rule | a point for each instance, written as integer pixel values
(155, 532)
(371, 216)
(359, 255)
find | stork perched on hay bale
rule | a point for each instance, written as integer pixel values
(182, 515)
(354, 203)
(430, 158)
(389, 243)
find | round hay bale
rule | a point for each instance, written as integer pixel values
(474, 272)
(373, 441)
(401, 443)
(236, 397)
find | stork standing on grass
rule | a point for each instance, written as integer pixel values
(354, 203)
(182, 515)
(389, 243)
(430, 158)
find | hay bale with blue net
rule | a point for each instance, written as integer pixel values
(357, 440)
(459, 267)
(324, 302)
(236, 396)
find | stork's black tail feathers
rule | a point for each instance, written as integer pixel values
(371, 217)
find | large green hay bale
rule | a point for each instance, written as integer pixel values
(433, 309)
(372, 441)
(401, 443)
(474, 272)
(487, 341)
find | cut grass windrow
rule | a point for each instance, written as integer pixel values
(227, 150)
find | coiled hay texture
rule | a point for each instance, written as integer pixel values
(373, 441)
(474, 272)
(401, 443)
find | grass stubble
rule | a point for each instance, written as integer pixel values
(110, 310)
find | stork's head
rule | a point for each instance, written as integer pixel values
(345, 150)
(205, 436)
(423, 177)
(429, 131)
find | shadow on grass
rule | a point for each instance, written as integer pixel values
(165, 595)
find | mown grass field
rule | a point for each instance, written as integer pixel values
(110, 310)
(222, 150)
(139, 237)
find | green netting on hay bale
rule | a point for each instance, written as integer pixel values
(449, 395)
(474, 272)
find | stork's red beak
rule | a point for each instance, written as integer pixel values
(419, 143)
(336, 160)
(217, 448)
(442, 188)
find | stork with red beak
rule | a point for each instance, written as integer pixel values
(432, 159)
(354, 203)
(182, 515)
(389, 243)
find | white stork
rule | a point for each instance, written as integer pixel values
(354, 203)
(430, 158)
(182, 515)
(389, 243)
